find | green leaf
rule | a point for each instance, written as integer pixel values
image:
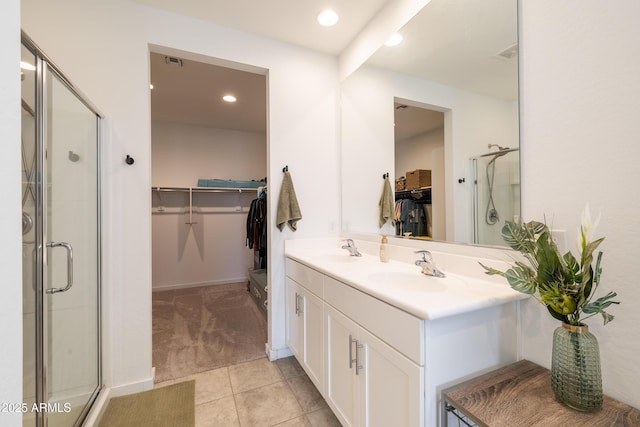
(572, 268)
(492, 271)
(550, 267)
(522, 237)
(600, 304)
(557, 315)
(522, 279)
(607, 317)
(587, 253)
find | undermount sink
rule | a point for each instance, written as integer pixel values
(417, 281)
(338, 258)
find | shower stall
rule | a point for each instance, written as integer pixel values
(61, 245)
(496, 193)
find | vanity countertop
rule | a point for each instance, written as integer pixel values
(403, 285)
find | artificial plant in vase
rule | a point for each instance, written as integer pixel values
(566, 285)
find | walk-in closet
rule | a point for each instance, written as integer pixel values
(208, 208)
(419, 169)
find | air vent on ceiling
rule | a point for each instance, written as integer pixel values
(509, 53)
(171, 60)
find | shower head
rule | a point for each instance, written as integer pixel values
(500, 148)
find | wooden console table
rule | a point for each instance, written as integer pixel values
(520, 395)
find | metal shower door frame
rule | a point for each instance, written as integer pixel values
(46, 70)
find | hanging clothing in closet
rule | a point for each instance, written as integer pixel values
(257, 230)
(412, 216)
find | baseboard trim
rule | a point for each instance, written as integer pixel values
(275, 354)
(230, 281)
(98, 408)
(131, 388)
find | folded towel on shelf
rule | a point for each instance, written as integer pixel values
(387, 207)
(288, 209)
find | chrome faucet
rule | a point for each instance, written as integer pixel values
(351, 247)
(428, 266)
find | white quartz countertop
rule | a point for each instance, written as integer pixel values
(403, 285)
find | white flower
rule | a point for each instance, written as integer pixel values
(587, 228)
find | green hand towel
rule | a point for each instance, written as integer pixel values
(387, 208)
(288, 209)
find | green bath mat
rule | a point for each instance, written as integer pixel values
(171, 406)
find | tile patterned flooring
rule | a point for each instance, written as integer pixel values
(258, 393)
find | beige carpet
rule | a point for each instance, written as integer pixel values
(170, 406)
(199, 329)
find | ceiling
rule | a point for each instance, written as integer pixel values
(192, 93)
(291, 21)
(453, 42)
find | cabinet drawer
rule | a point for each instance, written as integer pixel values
(305, 276)
(397, 328)
(258, 289)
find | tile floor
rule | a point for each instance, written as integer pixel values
(259, 393)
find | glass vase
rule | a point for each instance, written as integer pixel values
(576, 378)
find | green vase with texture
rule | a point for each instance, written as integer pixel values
(576, 377)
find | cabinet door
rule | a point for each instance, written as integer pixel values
(294, 320)
(312, 314)
(341, 383)
(391, 385)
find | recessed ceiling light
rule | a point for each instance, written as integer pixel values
(394, 40)
(26, 66)
(229, 98)
(328, 18)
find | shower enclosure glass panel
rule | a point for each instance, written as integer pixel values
(29, 229)
(496, 194)
(62, 351)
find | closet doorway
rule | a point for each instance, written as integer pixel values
(208, 168)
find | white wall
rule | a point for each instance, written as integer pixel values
(213, 250)
(580, 92)
(11, 247)
(104, 50)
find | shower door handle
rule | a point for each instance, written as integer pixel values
(69, 266)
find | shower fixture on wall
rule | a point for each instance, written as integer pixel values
(491, 214)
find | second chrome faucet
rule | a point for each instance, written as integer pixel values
(428, 266)
(351, 247)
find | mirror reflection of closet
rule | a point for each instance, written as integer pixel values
(419, 145)
(459, 57)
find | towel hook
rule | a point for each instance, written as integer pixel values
(285, 169)
(385, 175)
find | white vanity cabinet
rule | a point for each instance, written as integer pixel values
(368, 382)
(365, 379)
(305, 319)
(381, 360)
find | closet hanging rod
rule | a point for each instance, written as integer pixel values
(205, 189)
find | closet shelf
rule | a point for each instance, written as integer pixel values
(413, 190)
(206, 189)
(191, 190)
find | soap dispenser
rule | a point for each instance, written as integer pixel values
(384, 255)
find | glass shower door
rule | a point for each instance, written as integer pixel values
(72, 252)
(61, 255)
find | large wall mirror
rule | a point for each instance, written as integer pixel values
(443, 102)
